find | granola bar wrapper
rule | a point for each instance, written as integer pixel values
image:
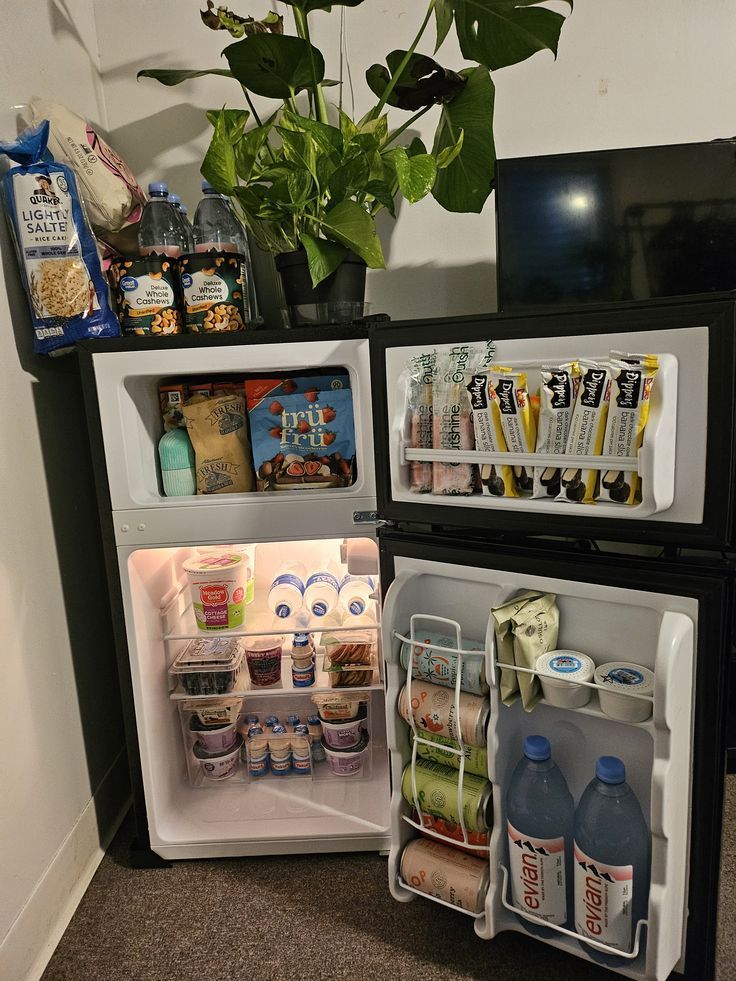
(526, 627)
(587, 432)
(503, 627)
(509, 395)
(558, 391)
(421, 373)
(452, 421)
(496, 480)
(628, 411)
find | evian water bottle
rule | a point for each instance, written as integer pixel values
(611, 856)
(160, 229)
(539, 824)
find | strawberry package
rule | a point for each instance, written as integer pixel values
(303, 440)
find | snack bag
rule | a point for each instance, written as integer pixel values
(587, 430)
(216, 427)
(56, 252)
(510, 401)
(526, 627)
(452, 423)
(171, 400)
(258, 390)
(628, 411)
(558, 392)
(497, 481)
(304, 441)
(420, 377)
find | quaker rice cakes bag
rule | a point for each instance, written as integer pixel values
(57, 254)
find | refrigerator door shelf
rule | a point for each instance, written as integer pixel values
(660, 634)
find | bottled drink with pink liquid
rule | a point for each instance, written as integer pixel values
(160, 230)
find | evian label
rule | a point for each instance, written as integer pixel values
(603, 899)
(538, 875)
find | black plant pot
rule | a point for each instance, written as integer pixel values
(337, 299)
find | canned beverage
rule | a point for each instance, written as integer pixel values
(437, 795)
(440, 668)
(454, 832)
(476, 757)
(446, 873)
(433, 709)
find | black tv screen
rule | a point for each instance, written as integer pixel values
(613, 225)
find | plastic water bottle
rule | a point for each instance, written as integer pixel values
(286, 595)
(216, 226)
(160, 229)
(540, 814)
(611, 855)
(321, 591)
(355, 592)
(186, 228)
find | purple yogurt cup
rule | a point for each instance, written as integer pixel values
(214, 739)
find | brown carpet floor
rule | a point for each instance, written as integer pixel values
(305, 918)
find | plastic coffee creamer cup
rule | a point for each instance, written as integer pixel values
(558, 671)
(620, 679)
(217, 584)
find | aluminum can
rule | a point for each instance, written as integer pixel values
(446, 873)
(476, 757)
(440, 668)
(437, 795)
(433, 708)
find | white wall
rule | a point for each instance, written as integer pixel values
(628, 74)
(61, 727)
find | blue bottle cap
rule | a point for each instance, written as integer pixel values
(175, 199)
(208, 188)
(610, 769)
(313, 720)
(537, 748)
(158, 189)
(184, 210)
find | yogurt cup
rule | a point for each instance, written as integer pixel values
(218, 766)
(263, 657)
(217, 585)
(346, 762)
(558, 671)
(214, 739)
(342, 735)
(618, 678)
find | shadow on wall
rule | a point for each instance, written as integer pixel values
(62, 427)
(433, 290)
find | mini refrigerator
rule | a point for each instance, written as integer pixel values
(650, 583)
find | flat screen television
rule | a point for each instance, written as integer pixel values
(613, 225)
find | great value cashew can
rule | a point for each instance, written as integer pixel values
(433, 709)
(446, 873)
(146, 294)
(213, 287)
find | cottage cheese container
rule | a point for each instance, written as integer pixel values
(558, 671)
(217, 584)
(620, 679)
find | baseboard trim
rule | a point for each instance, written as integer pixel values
(33, 937)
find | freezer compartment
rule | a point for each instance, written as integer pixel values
(235, 815)
(659, 634)
(314, 475)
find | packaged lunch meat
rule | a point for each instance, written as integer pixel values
(587, 431)
(558, 392)
(216, 427)
(510, 399)
(59, 263)
(421, 374)
(452, 422)
(628, 411)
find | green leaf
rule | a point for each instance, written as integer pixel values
(382, 193)
(498, 33)
(301, 187)
(328, 138)
(174, 76)
(350, 224)
(422, 82)
(323, 257)
(443, 17)
(218, 166)
(416, 175)
(377, 128)
(309, 5)
(467, 181)
(347, 126)
(349, 178)
(448, 154)
(416, 147)
(300, 149)
(235, 120)
(275, 65)
(247, 150)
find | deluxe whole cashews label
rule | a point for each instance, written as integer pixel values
(538, 875)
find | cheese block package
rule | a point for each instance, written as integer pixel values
(628, 411)
(418, 435)
(510, 399)
(587, 431)
(558, 391)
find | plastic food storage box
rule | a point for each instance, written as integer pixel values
(208, 667)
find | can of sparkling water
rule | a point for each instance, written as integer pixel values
(440, 668)
(437, 795)
(433, 709)
(441, 751)
(446, 873)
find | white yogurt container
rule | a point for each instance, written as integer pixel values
(216, 738)
(620, 679)
(342, 735)
(218, 766)
(558, 673)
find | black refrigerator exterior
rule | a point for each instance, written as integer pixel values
(680, 544)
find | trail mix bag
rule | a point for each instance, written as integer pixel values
(216, 427)
(60, 267)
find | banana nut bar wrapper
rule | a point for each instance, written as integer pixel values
(510, 399)
(496, 479)
(587, 430)
(558, 390)
(421, 373)
(526, 627)
(628, 411)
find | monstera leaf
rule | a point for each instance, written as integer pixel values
(307, 6)
(423, 82)
(175, 76)
(275, 65)
(498, 33)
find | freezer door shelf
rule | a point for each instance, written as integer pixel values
(660, 634)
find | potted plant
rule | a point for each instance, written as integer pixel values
(308, 181)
